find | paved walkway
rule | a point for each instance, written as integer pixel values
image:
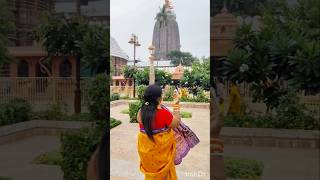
(125, 159)
(16, 158)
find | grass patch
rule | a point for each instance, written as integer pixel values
(243, 168)
(114, 123)
(49, 158)
(4, 178)
(185, 114)
(125, 111)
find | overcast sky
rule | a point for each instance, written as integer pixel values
(138, 17)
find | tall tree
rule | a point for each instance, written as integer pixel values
(75, 37)
(177, 57)
(95, 50)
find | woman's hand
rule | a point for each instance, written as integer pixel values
(176, 99)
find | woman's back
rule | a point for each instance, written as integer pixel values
(163, 119)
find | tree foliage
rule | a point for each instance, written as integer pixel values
(129, 71)
(6, 27)
(198, 77)
(283, 50)
(74, 36)
(95, 49)
(162, 77)
(177, 57)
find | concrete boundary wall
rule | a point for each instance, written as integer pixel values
(264, 137)
(18, 131)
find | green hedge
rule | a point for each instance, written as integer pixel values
(133, 111)
(76, 150)
(185, 114)
(5, 178)
(243, 168)
(114, 123)
(279, 121)
(15, 111)
(115, 96)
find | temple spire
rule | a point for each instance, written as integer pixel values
(224, 9)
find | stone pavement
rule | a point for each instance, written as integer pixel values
(16, 158)
(281, 163)
(124, 164)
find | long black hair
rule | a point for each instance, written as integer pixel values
(151, 99)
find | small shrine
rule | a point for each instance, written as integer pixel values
(178, 72)
(223, 28)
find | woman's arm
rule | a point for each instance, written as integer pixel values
(176, 112)
(139, 117)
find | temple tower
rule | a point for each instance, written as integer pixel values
(166, 36)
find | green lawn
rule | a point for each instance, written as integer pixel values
(185, 114)
(4, 178)
(243, 168)
(125, 111)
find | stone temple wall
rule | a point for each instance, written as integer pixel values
(166, 37)
(26, 16)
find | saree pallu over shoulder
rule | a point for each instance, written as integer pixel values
(157, 157)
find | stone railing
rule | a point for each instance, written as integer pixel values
(263, 137)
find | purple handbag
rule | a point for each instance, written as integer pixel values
(185, 140)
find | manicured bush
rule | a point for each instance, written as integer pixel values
(114, 123)
(185, 114)
(76, 150)
(201, 97)
(99, 100)
(15, 111)
(243, 168)
(168, 94)
(49, 158)
(115, 96)
(133, 111)
(140, 91)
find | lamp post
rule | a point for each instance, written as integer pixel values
(134, 41)
(151, 70)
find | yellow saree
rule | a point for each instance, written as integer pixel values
(157, 158)
(235, 101)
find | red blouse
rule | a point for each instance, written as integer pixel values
(163, 118)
